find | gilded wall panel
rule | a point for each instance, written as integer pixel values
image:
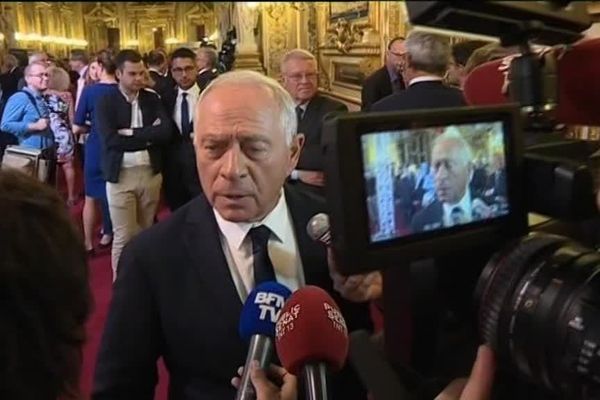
(276, 36)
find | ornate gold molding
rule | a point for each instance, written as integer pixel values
(343, 35)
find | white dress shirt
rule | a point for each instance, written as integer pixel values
(425, 78)
(192, 98)
(135, 158)
(80, 84)
(282, 245)
(464, 204)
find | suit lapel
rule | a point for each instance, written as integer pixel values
(312, 253)
(203, 246)
(308, 119)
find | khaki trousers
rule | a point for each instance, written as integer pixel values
(133, 203)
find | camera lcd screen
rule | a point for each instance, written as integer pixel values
(433, 178)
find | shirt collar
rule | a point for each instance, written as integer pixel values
(127, 97)
(155, 70)
(236, 232)
(425, 78)
(194, 90)
(393, 73)
(464, 204)
(34, 92)
(203, 70)
(83, 71)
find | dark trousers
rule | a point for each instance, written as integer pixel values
(180, 176)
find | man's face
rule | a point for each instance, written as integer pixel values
(202, 61)
(76, 65)
(396, 56)
(451, 171)
(300, 79)
(37, 78)
(242, 155)
(184, 72)
(132, 77)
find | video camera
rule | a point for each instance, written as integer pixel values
(227, 53)
(407, 186)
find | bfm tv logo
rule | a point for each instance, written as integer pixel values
(270, 305)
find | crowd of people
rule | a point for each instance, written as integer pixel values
(239, 153)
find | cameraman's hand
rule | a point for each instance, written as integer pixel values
(357, 288)
(265, 388)
(479, 384)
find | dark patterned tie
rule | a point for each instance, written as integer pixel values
(299, 114)
(263, 268)
(186, 127)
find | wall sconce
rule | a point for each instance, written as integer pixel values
(1, 36)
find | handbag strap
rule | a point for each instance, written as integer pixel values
(34, 102)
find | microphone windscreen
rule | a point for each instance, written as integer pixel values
(318, 228)
(311, 329)
(578, 84)
(262, 308)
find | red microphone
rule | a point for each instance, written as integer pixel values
(311, 338)
(578, 84)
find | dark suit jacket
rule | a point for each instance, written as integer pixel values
(311, 157)
(376, 86)
(174, 297)
(9, 82)
(162, 83)
(432, 215)
(205, 78)
(181, 181)
(114, 113)
(422, 95)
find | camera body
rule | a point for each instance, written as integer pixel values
(537, 297)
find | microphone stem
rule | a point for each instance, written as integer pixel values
(260, 349)
(315, 381)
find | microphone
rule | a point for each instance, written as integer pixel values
(257, 326)
(311, 338)
(318, 229)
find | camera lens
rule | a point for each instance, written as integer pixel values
(539, 308)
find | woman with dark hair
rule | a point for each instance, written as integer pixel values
(44, 291)
(95, 186)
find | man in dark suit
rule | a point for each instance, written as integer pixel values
(300, 78)
(206, 61)
(157, 68)
(10, 73)
(452, 163)
(182, 283)
(388, 79)
(181, 182)
(426, 60)
(134, 127)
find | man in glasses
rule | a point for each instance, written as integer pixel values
(35, 57)
(387, 79)
(181, 182)
(300, 78)
(26, 114)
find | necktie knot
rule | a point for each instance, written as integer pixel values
(458, 215)
(184, 95)
(260, 237)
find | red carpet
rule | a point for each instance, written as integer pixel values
(101, 284)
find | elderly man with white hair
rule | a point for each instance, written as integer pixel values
(248, 227)
(452, 166)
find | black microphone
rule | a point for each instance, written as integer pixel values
(318, 229)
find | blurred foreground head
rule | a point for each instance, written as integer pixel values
(44, 292)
